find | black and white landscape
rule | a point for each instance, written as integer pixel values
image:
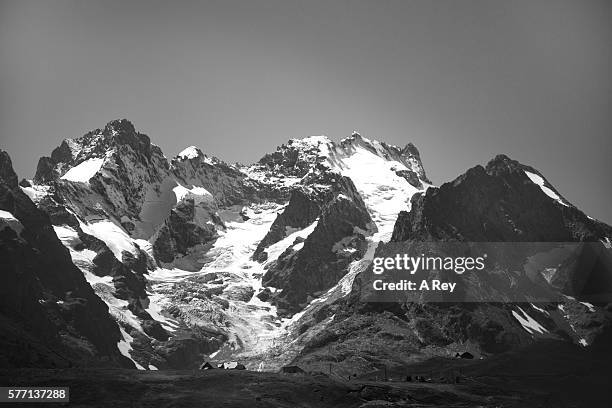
(261, 265)
(115, 256)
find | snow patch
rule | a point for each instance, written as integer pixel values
(539, 309)
(36, 192)
(549, 192)
(8, 220)
(155, 309)
(276, 249)
(190, 152)
(84, 171)
(589, 306)
(67, 235)
(5, 215)
(145, 245)
(197, 193)
(528, 323)
(82, 259)
(112, 235)
(125, 346)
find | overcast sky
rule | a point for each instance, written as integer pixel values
(462, 80)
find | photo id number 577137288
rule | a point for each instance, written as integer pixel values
(34, 394)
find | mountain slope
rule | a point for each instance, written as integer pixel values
(50, 315)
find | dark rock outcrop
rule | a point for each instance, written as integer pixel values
(50, 315)
(319, 265)
(181, 232)
(498, 203)
(292, 159)
(45, 170)
(225, 182)
(302, 210)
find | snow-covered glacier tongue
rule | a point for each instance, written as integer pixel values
(198, 259)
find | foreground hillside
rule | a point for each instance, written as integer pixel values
(563, 376)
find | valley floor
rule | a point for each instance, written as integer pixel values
(229, 388)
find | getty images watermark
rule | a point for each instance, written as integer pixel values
(413, 264)
(487, 272)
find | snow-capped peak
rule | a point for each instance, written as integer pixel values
(356, 139)
(310, 141)
(190, 152)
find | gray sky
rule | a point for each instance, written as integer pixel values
(462, 80)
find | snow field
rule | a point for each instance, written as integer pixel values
(84, 171)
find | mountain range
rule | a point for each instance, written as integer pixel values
(115, 256)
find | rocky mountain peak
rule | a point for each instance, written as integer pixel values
(502, 164)
(116, 133)
(298, 156)
(504, 201)
(410, 150)
(310, 141)
(119, 127)
(7, 174)
(407, 156)
(190, 152)
(118, 136)
(315, 153)
(122, 132)
(195, 157)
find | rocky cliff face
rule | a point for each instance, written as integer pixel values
(311, 266)
(301, 211)
(121, 168)
(184, 231)
(50, 314)
(227, 184)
